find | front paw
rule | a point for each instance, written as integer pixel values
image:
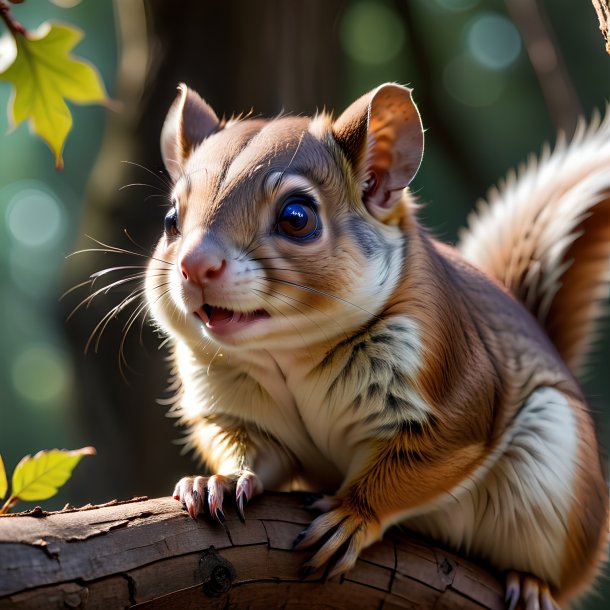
(527, 591)
(205, 495)
(346, 532)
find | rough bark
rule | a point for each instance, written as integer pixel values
(602, 8)
(149, 554)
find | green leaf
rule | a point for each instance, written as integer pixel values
(44, 75)
(39, 477)
(3, 481)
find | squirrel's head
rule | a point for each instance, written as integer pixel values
(287, 231)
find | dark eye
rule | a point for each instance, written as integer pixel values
(171, 223)
(298, 218)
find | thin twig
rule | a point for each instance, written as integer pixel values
(11, 23)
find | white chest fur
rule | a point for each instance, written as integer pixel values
(319, 406)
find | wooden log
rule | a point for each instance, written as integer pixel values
(150, 554)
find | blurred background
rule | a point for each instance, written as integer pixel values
(493, 81)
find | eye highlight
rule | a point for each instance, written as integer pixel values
(171, 222)
(298, 218)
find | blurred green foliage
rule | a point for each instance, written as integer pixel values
(39, 214)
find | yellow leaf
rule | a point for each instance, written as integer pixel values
(3, 481)
(39, 477)
(44, 75)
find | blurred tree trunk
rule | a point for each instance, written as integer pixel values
(240, 56)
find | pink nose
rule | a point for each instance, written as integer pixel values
(201, 267)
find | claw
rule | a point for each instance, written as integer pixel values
(321, 527)
(547, 603)
(205, 495)
(342, 535)
(248, 485)
(240, 506)
(513, 592)
(528, 592)
(332, 550)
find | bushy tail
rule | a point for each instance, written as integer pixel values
(545, 234)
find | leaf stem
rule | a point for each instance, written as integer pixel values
(8, 505)
(11, 23)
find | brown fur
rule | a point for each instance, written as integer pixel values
(393, 373)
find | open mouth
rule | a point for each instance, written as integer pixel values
(225, 321)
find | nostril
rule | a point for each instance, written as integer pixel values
(185, 274)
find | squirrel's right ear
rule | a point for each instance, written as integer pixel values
(189, 121)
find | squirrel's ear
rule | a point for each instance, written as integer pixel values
(382, 136)
(189, 121)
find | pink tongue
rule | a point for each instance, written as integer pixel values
(220, 317)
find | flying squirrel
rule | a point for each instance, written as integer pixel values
(323, 340)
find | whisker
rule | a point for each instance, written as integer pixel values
(107, 270)
(262, 292)
(255, 245)
(310, 274)
(134, 314)
(80, 285)
(322, 293)
(135, 243)
(105, 290)
(101, 326)
(143, 308)
(324, 313)
(113, 313)
(274, 258)
(116, 250)
(281, 176)
(152, 186)
(213, 358)
(160, 176)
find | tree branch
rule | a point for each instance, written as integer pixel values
(602, 8)
(149, 553)
(545, 57)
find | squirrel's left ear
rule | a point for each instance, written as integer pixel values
(189, 121)
(382, 136)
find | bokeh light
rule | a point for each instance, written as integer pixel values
(371, 33)
(35, 217)
(493, 41)
(41, 374)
